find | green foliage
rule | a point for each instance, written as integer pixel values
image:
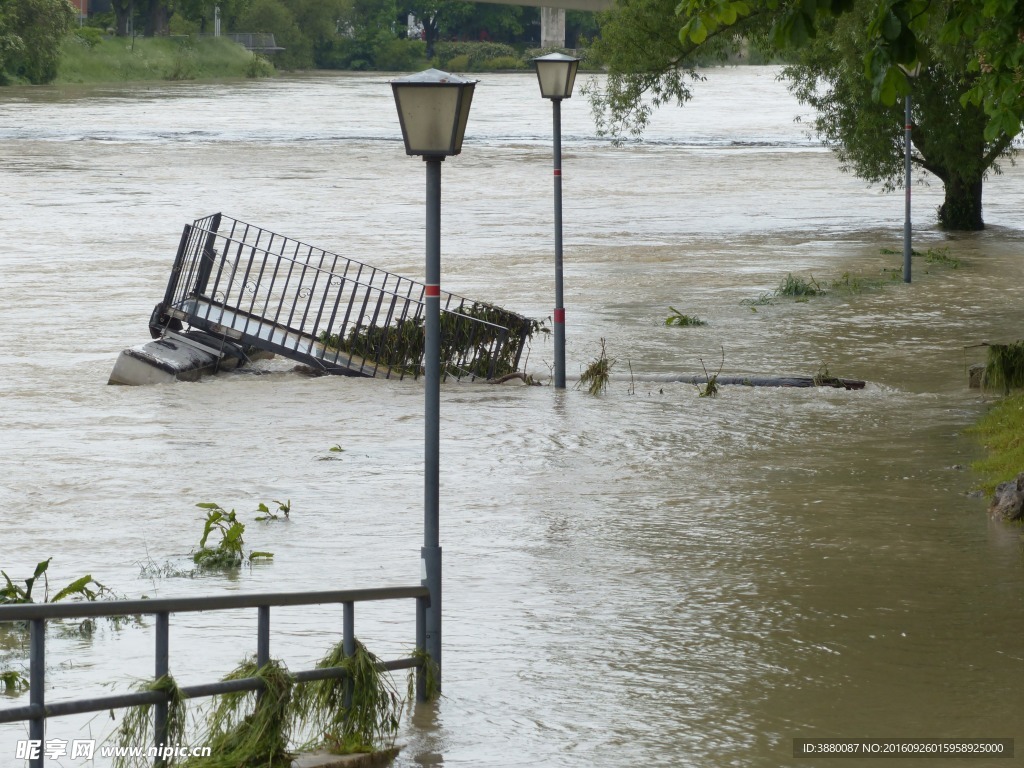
(678, 318)
(283, 508)
(501, 63)
(251, 729)
(13, 682)
(31, 33)
(468, 348)
(478, 55)
(13, 594)
(90, 37)
(277, 18)
(431, 677)
(598, 373)
(259, 66)
(357, 713)
(138, 723)
(112, 60)
(710, 388)
(799, 287)
(229, 551)
(1004, 369)
(1001, 432)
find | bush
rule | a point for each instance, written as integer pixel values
(504, 62)
(90, 37)
(401, 56)
(448, 55)
(458, 64)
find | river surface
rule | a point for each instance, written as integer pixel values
(644, 578)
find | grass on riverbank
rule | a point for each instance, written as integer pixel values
(121, 59)
(1001, 432)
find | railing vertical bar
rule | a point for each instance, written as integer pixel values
(348, 312)
(348, 643)
(263, 637)
(161, 669)
(421, 647)
(37, 685)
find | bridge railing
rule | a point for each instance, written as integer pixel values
(327, 310)
(36, 615)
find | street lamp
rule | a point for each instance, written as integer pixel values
(556, 73)
(911, 73)
(433, 108)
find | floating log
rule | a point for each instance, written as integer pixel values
(753, 381)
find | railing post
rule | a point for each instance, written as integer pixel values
(207, 256)
(161, 669)
(263, 637)
(348, 643)
(37, 684)
(421, 648)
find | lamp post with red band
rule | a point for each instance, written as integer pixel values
(556, 73)
(433, 108)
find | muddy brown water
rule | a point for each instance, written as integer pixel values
(642, 578)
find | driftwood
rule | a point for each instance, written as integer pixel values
(757, 381)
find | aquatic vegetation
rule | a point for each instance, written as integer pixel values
(138, 724)
(710, 388)
(284, 508)
(1004, 369)
(13, 682)
(229, 552)
(799, 287)
(598, 373)
(678, 318)
(13, 594)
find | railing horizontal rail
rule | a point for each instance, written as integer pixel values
(30, 611)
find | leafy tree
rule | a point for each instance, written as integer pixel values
(31, 32)
(273, 16)
(849, 56)
(439, 17)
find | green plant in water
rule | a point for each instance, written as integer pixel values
(799, 287)
(598, 373)
(229, 552)
(251, 729)
(678, 318)
(1004, 369)
(13, 682)
(764, 300)
(12, 594)
(283, 508)
(941, 257)
(357, 713)
(710, 388)
(138, 723)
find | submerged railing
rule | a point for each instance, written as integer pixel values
(37, 614)
(261, 289)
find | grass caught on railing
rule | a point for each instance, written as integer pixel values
(357, 713)
(251, 729)
(138, 724)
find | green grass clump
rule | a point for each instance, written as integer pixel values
(1004, 369)
(358, 713)
(156, 58)
(1001, 432)
(678, 318)
(597, 375)
(799, 287)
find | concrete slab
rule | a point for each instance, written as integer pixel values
(379, 759)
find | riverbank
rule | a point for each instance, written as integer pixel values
(91, 59)
(1000, 431)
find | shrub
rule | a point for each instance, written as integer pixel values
(504, 62)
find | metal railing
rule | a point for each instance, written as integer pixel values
(261, 289)
(36, 615)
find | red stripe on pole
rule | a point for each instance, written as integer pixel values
(560, 316)
(433, 290)
(558, 171)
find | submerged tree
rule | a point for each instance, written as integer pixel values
(847, 64)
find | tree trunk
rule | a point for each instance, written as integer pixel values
(961, 210)
(156, 19)
(122, 13)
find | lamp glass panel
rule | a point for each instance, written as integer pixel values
(429, 118)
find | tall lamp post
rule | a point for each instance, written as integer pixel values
(911, 73)
(556, 73)
(433, 108)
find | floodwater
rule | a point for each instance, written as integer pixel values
(645, 578)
